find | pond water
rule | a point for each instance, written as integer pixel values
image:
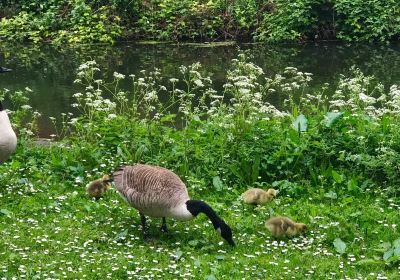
(50, 72)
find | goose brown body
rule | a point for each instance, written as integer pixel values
(154, 191)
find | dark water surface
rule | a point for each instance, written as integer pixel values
(50, 72)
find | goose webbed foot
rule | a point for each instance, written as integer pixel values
(164, 225)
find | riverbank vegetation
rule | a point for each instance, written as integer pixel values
(86, 21)
(333, 156)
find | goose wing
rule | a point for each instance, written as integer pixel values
(151, 189)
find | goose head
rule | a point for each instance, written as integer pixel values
(301, 228)
(226, 233)
(271, 193)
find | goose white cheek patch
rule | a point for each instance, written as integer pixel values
(219, 230)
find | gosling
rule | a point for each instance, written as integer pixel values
(257, 196)
(284, 227)
(97, 188)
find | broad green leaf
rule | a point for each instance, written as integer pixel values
(300, 123)
(396, 251)
(388, 254)
(352, 185)
(331, 195)
(178, 254)
(394, 259)
(5, 212)
(193, 242)
(340, 246)
(337, 177)
(383, 247)
(142, 150)
(217, 183)
(210, 277)
(396, 243)
(331, 118)
(121, 236)
(220, 257)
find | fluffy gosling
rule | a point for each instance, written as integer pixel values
(258, 196)
(284, 227)
(98, 187)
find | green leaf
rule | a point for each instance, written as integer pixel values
(193, 242)
(217, 183)
(121, 236)
(337, 177)
(331, 118)
(331, 195)
(300, 123)
(210, 277)
(396, 251)
(220, 257)
(388, 254)
(394, 259)
(340, 246)
(368, 262)
(383, 247)
(142, 150)
(178, 254)
(396, 243)
(5, 212)
(352, 185)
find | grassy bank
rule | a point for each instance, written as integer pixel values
(334, 160)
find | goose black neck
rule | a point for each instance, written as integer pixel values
(1, 106)
(197, 206)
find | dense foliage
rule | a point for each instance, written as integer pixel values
(335, 162)
(83, 21)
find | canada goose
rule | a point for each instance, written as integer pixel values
(158, 192)
(98, 187)
(283, 226)
(8, 139)
(258, 196)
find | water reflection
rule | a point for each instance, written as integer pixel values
(50, 72)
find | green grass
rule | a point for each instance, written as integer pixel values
(50, 228)
(338, 174)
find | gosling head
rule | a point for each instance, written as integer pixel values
(301, 228)
(226, 233)
(98, 187)
(106, 181)
(272, 193)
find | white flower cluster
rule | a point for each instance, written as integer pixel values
(362, 95)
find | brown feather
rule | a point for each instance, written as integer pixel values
(150, 189)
